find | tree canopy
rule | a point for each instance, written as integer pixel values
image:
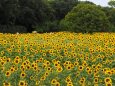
(85, 18)
(62, 7)
(24, 12)
(112, 3)
(46, 15)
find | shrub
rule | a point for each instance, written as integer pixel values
(12, 29)
(85, 18)
(50, 26)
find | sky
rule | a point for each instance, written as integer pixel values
(99, 2)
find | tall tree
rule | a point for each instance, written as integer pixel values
(62, 7)
(26, 13)
(85, 18)
(8, 11)
(112, 3)
(32, 12)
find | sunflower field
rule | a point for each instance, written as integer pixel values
(57, 59)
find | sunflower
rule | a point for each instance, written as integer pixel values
(108, 80)
(90, 71)
(33, 65)
(95, 80)
(16, 61)
(12, 69)
(8, 73)
(56, 64)
(37, 83)
(67, 80)
(22, 67)
(23, 74)
(80, 68)
(8, 60)
(108, 72)
(83, 78)
(69, 84)
(35, 68)
(24, 57)
(44, 54)
(2, 63)
(81, 82)
(88, 68)
(46, 73)
(22, 83)
(76, 63)
(28, 67)
(67, 62)
(57, 84)
(17, 57)
(15, 68)
(47, 62)
(49, 69)
(59, 69)
(2, 69)
(2, 52)
(109, 84)
(6, 84)
(43, 78)
(84, 64)
(68, 67)
(44, 65)
(53, 81)
(37, 61)
(31, 77)
(93, 66)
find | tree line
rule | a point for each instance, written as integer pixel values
(55, 15)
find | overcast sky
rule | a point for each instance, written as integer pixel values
(98, 2)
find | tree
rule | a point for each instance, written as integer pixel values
(32, 13)
(8, 11)
(27, 13)
(110, 13)
(85, 18)
(86, 2)
(62, 7)
(112, 3)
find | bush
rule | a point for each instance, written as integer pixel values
(85, 18)
(110, 13)
(12, 29)
(50, 26)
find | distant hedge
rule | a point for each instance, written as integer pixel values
(12, 29)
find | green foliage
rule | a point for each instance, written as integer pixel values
(8, 11)
(27, 13)
(112, 3)
(62, 7)
(112, 16)
(112, 28)
(85, 18)
(45, 15)
(86, 2)
(110, 13)
(48, 27)
(12, 29)
(33, 12)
